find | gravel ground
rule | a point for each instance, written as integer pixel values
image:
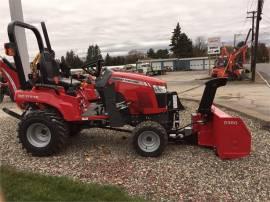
(182, 173)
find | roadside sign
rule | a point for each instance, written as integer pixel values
(213, 46)
(213, 50)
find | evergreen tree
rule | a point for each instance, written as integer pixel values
(151, 53)
(71, 60)
(108, 60)
(93, 53)
(162, 53)
(175, 39)
(63, 60)
(181, 45)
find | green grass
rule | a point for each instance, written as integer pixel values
(24, 186)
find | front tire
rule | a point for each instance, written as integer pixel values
(149, 139)
(42, 133)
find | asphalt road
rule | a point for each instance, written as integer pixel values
(264, 70)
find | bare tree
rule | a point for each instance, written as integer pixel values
(200, 47)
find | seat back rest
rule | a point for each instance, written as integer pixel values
(102, 80)
(49, 68)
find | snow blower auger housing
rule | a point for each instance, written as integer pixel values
(55, 108)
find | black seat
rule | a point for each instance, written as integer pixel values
(67, 83)
(50, 73)
(49, 68)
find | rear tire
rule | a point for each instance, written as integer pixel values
(2, 94)
(42, 133)
(11, 95)
(149, 139)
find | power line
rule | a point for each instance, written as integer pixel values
(266, 20)
(254, 58)
(265, 16)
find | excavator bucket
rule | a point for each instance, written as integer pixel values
(228, 135)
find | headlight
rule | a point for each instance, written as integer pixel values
(160, 89)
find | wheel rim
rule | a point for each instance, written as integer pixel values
(148, 141)
(38, 134)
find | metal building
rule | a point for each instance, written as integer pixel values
(176, 64)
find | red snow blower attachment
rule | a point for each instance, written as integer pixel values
(213, 127)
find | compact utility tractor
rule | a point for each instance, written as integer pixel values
(55, 108)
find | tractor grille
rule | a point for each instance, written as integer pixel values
(161, 100)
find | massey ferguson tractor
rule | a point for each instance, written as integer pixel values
(54, 108)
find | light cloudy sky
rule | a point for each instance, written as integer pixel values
(118, 26)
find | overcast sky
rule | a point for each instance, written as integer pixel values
(118, 26)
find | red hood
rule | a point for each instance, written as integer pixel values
(139, 77)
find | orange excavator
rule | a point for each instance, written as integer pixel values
(231, 65)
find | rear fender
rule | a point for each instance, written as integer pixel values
(10, 75)
(68, 106)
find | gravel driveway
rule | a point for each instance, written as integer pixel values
(181, 173)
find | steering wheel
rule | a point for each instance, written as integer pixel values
(93, 68)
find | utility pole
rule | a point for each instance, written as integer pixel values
(252, 32)
(254, 58)
(16, 13)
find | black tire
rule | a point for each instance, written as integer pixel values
(11, 95)
(156, 132)
(2, 94)
(74, 130)
(56, 126)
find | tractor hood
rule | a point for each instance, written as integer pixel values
(138, 77)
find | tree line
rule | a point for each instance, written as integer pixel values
(181, 46)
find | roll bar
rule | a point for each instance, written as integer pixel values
(12, 37)
(46, 37)
(17, 57)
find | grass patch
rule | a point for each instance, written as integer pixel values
(24, 186)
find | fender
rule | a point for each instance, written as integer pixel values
(10, 76)
(68, 106)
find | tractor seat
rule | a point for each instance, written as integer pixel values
(49, 69)
(103, 79)
(67, 83)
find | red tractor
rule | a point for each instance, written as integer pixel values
(55, 108)
(231, 65)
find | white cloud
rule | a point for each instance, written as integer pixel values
(118, 26)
